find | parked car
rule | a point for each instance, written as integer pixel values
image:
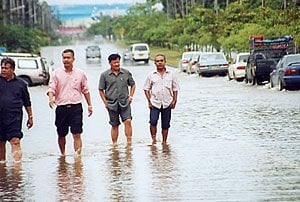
(93, 51)
(237, 69)
(212, 63)
(286, 75)
(140, 52)
(193, 62)
(184, 61)
(32, 68)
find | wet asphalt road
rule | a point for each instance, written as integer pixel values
(228, 142)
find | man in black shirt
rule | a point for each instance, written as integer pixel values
(13, 96)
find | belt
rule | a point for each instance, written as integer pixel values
(69, 105)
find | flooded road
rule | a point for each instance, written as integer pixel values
(228, 142)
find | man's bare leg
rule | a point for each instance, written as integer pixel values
(128, 130)
(2, 151)
(153, 131)
(164, 135)
(62, 145)
(77, 144)
(16, 149)
(114, 134)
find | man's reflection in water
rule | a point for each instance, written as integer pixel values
(11, 183)
(121, 183)
(165, 174)
(70, 180)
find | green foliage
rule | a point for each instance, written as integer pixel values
(228, 30)
(17, 38)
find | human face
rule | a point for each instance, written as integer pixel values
(68, 60)
(6, 71)
(160, 62)
(115, 65)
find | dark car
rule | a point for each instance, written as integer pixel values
(286, 75)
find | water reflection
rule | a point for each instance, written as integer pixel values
(165, 174)
(70, 180)
(121, 182)
(12, 186)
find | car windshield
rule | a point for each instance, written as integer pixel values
(293, 59)
(93, 48)
(186, 56)
(212, 57)
(140, 48)
(243, 58)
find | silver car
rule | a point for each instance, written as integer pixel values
(212, 63)
(93, 52)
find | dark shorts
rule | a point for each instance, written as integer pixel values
(10, 126)
(165, 117)
(68, 116)
(123, 112)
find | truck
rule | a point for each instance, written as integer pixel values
(264, 56)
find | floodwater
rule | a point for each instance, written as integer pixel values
(228, 142)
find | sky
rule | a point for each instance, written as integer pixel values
(70, 2)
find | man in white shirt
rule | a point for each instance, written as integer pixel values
(161, 89)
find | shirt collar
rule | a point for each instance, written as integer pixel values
(120, 71)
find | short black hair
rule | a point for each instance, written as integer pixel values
(114, 56)
(69, 51)
(8, 61)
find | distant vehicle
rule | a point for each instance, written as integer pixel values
(140, 52)
(286, 75)
(32, 68)
(264, 55)
(93, 51)
(126, 55)
(98, 39)
(237, 69)
(192, 65)
(184, 61)
(212, 63)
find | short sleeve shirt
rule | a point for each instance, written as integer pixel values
(161, 88)
(116, 87)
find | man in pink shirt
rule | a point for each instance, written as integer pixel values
(161, 90)
(66, 87)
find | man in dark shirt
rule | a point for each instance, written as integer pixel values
(114, 92)
(13, 96)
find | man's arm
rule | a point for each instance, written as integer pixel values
(51, 99)
(131, 93)
(89, 103)
(174, 101)
(148, 96)
(30, 116)
(102, 95)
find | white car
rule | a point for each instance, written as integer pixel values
(32, 68)
(184, 61)
(140, 52)
(237, 69)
